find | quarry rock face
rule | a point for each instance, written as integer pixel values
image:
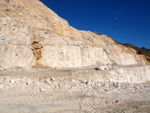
(47, 66)
(33, 35)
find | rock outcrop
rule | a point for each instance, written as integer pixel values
(33, 35)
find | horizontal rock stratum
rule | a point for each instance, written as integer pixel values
(33, 35)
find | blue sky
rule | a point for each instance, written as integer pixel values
(127, 21)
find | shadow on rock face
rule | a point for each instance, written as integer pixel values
(144, 51)
(141, 51)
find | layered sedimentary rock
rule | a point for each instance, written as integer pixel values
(33, 35)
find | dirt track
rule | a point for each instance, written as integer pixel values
(71, 95)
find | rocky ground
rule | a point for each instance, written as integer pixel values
(69, 91)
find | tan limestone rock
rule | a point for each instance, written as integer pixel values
(32, 35)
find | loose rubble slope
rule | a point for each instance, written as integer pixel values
(41, 91)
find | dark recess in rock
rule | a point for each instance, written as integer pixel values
(6, 1)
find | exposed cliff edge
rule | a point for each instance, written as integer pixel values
(33, 35)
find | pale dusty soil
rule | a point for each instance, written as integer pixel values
(41, 92)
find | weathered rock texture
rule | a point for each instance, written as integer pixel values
(33, 35)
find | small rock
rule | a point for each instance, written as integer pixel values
(48, 82)
(116, 85)
(72, 80)
(29, 81)
(59, 85)
(42, 90)
(53, 79)
(1, 86)
(12, 81)
(56, 87)
(105, 90)
(6, 80)
(102, 67)
(109, 66)
(88, 82)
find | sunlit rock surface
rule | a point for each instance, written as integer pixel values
(47, 66)
(32, 35)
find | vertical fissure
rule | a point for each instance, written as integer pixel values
(37, 50)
